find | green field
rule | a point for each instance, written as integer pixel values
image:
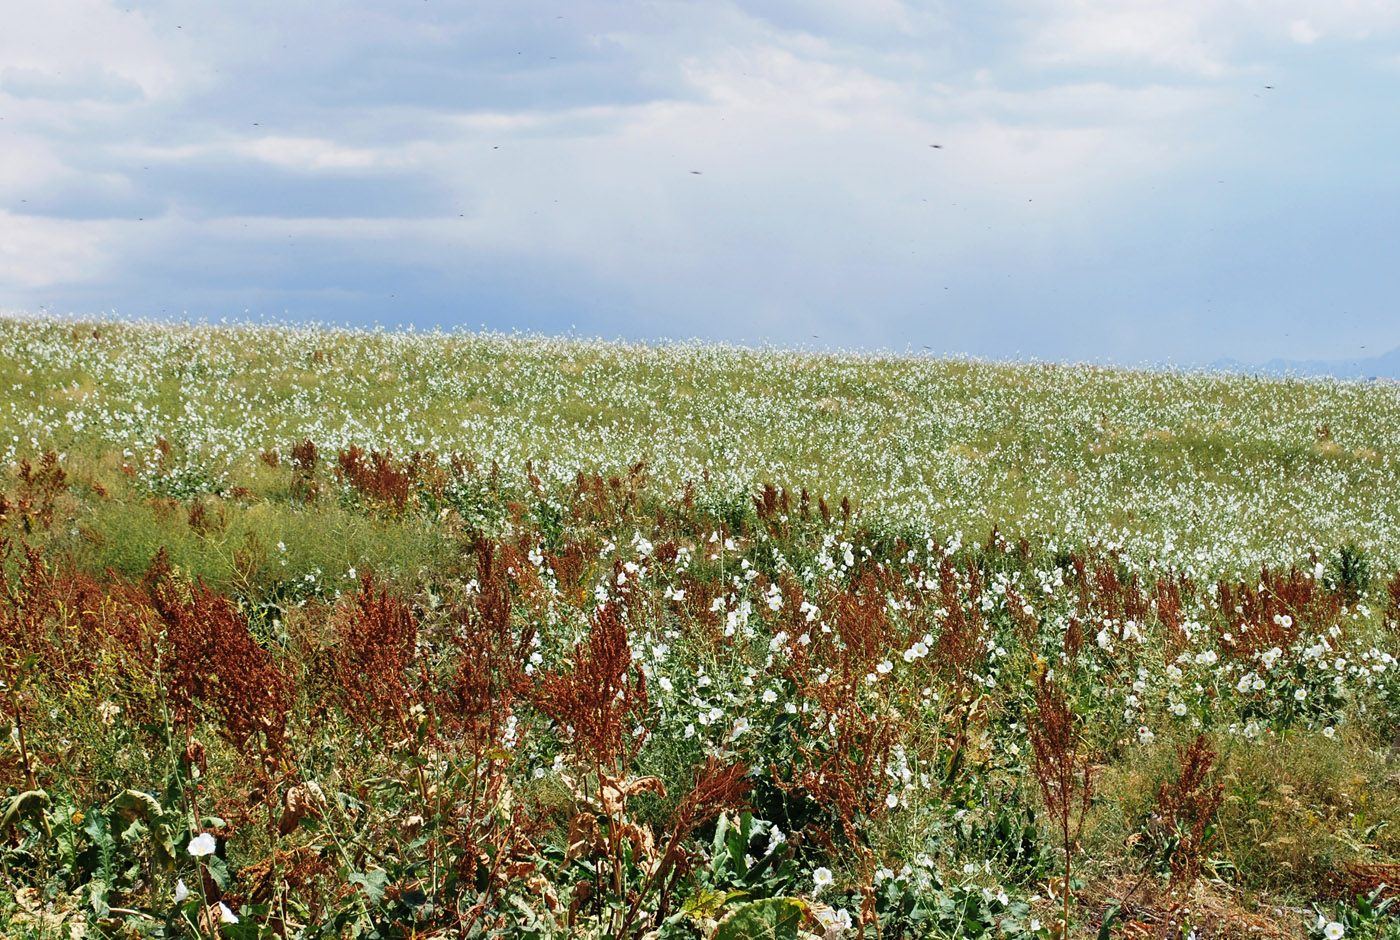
(429, 634)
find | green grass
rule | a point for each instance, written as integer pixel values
(176, 442)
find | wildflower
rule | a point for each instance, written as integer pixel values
(769, 696)
(1334, 931)
(202, 845)
(833, 922)
(1300, 694)
(226, 915)
(1145, 734)
(181, 891)
(892, 801)
(1329, 732)
(821, 879)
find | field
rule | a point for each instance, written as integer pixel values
(312, 632)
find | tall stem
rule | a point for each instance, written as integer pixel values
(24, 754)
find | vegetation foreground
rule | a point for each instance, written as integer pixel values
(313, 633)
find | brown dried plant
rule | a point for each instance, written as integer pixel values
(1188, 807)
(1392, 610)
(213, 659)
(305, 458)
(474, 706)
(602, 712)
(1275, 611)
(1063, 772)
(39, 488)
(596, 703)
(377, 635)
(843, 769)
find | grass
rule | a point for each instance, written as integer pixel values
(610, 640)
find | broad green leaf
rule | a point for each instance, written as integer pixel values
(372, 883)
(769, 919)
(19, 803)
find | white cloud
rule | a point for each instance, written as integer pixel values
(1303, 32)
(1203, 38)
(77, 43)
(1109, 32)
(39, 252)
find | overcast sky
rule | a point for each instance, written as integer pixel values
(1127, 180)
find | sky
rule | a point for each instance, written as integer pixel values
(1134, 181)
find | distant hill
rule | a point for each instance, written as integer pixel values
(1384, 366)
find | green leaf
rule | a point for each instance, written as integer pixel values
(218, 870)
(137, 805)
(19, 803)
(372, 883)
(99, 831)
(1110, 916)
(769, 919)
(97, 897)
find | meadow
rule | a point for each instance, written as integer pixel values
(311, 632)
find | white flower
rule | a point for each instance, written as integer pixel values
(834, 922)
(202, 845)
(769, 696)
(1334, 931)
(1329, 732)
(1300, 694)
(181, 891)
(821, 878)
(1035, 924)
(1145, 734)
(892, 801)
(226, 915)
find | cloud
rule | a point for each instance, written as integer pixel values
(1303, 32)
(40, 253)
(1099, 32)
(89, 49)
(733, 168)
